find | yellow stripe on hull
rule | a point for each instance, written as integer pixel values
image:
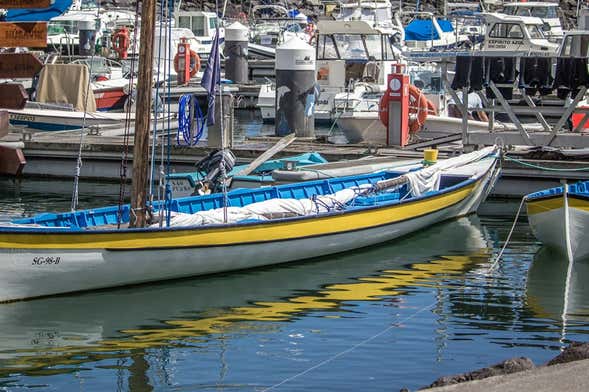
(236, 234)
(554, 203)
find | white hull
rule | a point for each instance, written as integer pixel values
(41, 272)
(366, 126)
(549, 227)
(46, 119)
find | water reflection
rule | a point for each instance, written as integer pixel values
(60, 333)
(546, 287)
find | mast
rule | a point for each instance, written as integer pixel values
(143, 116)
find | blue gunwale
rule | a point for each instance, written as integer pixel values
(579, 189)
(456, 182)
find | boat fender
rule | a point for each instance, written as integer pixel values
(194, 63)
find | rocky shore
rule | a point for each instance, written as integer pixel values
(522, 366)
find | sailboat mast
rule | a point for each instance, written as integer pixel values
(143, 116)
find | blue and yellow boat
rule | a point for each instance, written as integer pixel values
(59, 253)
(559, 217)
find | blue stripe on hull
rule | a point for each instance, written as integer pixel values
(45, 126)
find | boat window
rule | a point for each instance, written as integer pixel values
(326, 49)
(351, 47)
(534, 32)
(213, 23)
(62, 27)
(506, 30)
(198, 25)
(374, 46)
(575, 45)
(184, 22)
(88, 5)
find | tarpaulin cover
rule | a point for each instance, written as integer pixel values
(423, 29)
(37, 14)
(66, 83)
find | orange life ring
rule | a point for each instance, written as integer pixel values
(194, 63)
(419, 108)
(120, 42)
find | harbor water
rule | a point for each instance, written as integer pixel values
(397, 315)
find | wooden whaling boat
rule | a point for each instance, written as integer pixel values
(90, 249)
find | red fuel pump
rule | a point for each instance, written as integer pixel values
(182, 62)
(394, 107)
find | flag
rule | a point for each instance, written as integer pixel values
(211, 77)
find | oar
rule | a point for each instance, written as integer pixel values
(279, 146)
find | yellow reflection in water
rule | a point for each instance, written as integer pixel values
(387, 283)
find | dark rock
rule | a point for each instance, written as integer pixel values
(509, 366)
(575, 352)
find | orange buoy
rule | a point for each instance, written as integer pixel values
(194, 63)
(120, 42)
(419, 108)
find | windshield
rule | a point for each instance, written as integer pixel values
(538, 12)
(354, 47)
(575, 45)
(534, 32)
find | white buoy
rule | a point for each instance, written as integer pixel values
(296, 89)
(235, 52)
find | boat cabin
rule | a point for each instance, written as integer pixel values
(376, 12)
(575, 44)
(546, 11)
(519, 34)
(202, 24)
(351, 50)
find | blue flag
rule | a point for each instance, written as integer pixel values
(57, 8)
(211, 77)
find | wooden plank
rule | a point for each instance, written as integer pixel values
(25, 3)
(12, 96)
(3, 123)
(29, 34)
(19, 65)
(279, 146)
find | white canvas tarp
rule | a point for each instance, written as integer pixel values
(66, 84)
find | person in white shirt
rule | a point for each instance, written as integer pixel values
(475, 107)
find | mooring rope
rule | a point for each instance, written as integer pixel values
(532, 165)
(354, 347)
(500, 254)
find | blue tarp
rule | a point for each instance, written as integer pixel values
(37, 14)
(423, 29)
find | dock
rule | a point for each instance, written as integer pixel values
(52, 155)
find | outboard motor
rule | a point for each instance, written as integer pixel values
(212, 165)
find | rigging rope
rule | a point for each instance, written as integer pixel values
(75, 192)
(168, 187)
(127, 128)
